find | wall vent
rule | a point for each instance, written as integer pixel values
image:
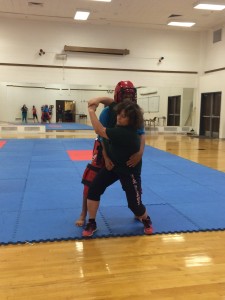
(6, 128)
(217, 35)
(170, 128)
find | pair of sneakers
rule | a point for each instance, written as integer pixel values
(91, 227)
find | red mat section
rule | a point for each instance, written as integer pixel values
(2, 143)
(80, 154)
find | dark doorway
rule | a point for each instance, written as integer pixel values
(68, 110)
(210, 114)
(173, 115)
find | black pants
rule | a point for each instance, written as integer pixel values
(131, 184)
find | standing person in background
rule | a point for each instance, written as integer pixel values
(60, 114)
(34, 112)
(24, 110)
(124, 141)
(50, 110)
(45, 114)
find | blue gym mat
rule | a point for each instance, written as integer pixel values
(67, 126)
(41, 193)
(59, 126)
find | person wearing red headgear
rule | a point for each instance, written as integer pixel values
(124, 90)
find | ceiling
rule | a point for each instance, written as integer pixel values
(133, 13)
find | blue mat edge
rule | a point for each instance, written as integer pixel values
(105, 236)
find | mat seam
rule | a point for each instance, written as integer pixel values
(22, 199)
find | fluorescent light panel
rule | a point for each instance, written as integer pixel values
(208, 6)
(181, 24)
(103, 0)
(81, 15)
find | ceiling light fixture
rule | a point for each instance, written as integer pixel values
(103, 0)
(181, 24)
(208, 6)
(81, 15)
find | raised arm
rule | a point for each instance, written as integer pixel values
(103, 100)
(98, 127)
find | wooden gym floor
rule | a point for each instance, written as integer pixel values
(173, 266)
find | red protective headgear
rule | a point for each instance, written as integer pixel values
(125, 90)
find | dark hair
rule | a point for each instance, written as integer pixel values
(133, 111)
